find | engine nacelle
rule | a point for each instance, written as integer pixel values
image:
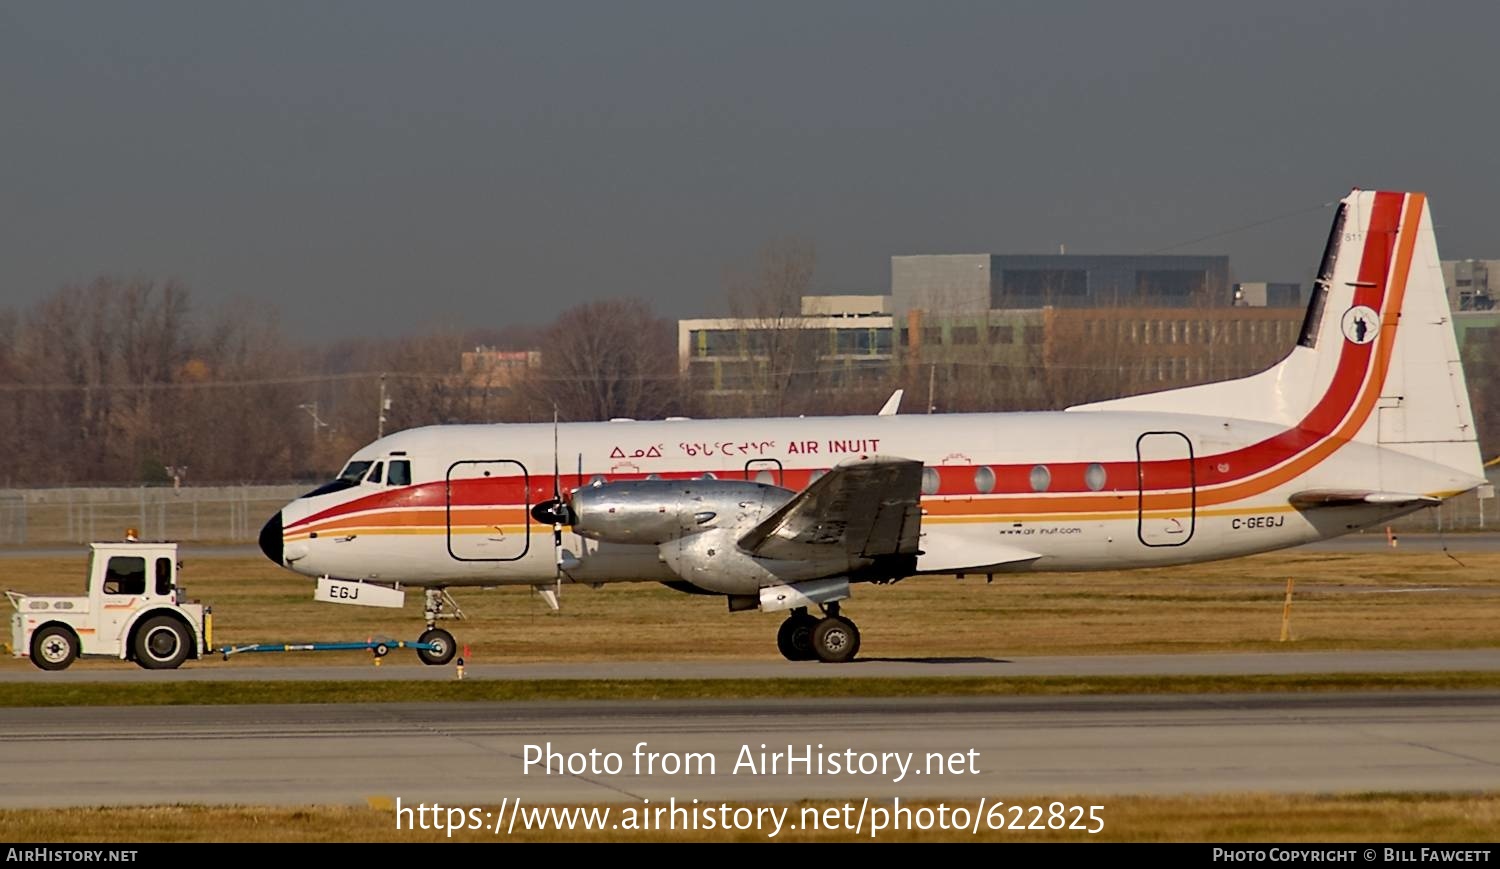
(652, 512)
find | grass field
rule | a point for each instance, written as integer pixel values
(1391, 600)
(1228, 818)
(215, 693)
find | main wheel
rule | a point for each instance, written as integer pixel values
(54, 647)
(443, 647)
(794, 638)
(835, 640)
(161, 643)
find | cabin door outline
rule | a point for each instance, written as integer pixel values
(1153, 450)
(467, 497)
(756, 468)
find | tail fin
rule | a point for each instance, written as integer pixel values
(1377, 359)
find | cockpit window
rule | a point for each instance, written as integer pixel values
(375, 475)
(348, 478)
(400, 474)
(354, 472)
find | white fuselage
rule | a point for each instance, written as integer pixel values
(1084, 490)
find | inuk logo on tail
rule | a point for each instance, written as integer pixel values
(1361, 324)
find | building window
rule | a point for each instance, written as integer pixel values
(1169, 284)
(1043, 284)
(718, 342)
(932, 335)
(852, 342)
(965, 335)
(1003, 334)
(1033, 335)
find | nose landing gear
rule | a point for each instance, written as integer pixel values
(444, 647)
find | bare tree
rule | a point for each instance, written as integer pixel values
(606, 359)
(779, 352)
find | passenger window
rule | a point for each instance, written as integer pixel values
(1041, 478)
(375, 473)
(984, 480)
(1095, 477)
(931, 482)
(163, 576)
(400, 474)
(126, 574)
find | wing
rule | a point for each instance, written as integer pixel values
(862, 509)
(1313, 498)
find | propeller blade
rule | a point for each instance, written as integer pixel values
(556, 470)
(559, 510)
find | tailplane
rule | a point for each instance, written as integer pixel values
(1376, 360)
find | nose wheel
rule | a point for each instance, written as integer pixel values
(832, 640)
(443, 647)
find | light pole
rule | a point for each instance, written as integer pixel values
(317, 422)
(385, 405)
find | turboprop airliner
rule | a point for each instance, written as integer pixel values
(1366, 419)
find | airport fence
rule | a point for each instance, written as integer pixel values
(199, 514)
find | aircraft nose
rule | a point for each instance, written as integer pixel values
(270, 539)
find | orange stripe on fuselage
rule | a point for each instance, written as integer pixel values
(468, 517)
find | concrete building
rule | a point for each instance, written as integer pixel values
(1468, 283)
(970, 283)
(1260, 294)
(844, 339)
(489, 367)
(1476, 333)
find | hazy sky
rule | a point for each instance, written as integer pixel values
(376, 167)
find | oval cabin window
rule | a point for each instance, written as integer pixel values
(1041, 478)
(1094, 477)
(984, 480)
(930, 481)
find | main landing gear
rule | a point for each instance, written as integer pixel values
(444, 647)
(804, 637)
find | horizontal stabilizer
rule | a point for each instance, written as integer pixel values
(950, 552)
(1314, 498)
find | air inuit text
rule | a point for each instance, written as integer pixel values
(761, 759)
